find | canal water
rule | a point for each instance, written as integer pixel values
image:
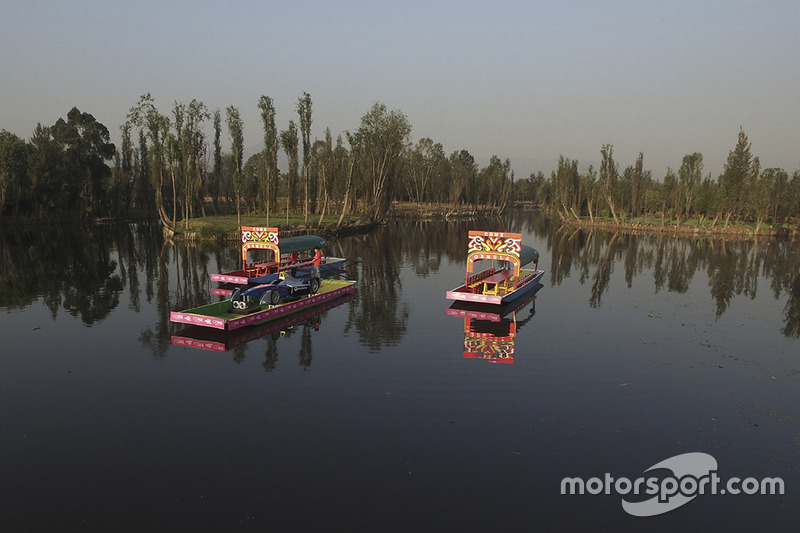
(391, 410)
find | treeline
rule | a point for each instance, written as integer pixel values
(177, 165)
(167, 165)
(742, 193)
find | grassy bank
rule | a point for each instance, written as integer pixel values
(688, 227)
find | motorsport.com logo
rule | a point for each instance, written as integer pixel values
(693, 474)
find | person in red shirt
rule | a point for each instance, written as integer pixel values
(317, 261)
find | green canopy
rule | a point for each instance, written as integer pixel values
(301, 243)
(527, 254)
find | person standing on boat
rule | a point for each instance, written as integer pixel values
(317, 261)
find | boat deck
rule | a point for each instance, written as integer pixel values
(220, 315)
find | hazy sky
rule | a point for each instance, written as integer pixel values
(524, 80)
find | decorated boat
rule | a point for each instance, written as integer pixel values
(296, 254)
(490, 332)
(501, 278)
(217, 340)
(229, 315)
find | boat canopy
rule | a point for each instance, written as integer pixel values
(301, 243)
(267, 239)
(528, 254)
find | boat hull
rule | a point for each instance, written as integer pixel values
(220, 315)
(222, 341)
(524, 286)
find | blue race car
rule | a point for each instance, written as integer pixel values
(286, 287)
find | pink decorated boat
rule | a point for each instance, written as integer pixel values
(500, 278)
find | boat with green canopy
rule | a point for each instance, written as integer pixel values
(504, 280)
(289, 254)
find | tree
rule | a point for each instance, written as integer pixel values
(236, 131)
(323, 160)
(496, 183)
(145, 115)
(304, 111)
(566, 184)
(609, 175)
(424, 162)
(289, 141)
(462, 172)
(13, 172)
(216, 172)
(690, 174)
(761, 197)
(192, 151)
(639, 182)
(86, 147)
(127, 176)
(736, 182)
(271, 144)
(383, 136)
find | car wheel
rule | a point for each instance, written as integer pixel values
(274, 297)
(314, 285)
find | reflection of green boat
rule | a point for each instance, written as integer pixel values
(221, 341)
(221, 315)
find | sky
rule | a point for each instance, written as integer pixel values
(523, 80)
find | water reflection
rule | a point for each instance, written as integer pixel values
(732, 267)
(90, 273)
(490, 332)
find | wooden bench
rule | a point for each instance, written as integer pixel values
(494, 283)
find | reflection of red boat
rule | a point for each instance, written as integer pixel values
(221, 341)
(490, 332)
(288, 254)
(504, 280)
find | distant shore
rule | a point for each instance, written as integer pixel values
(684, 230)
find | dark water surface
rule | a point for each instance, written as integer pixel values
(370, 416)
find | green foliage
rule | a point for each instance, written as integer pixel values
(163, 165)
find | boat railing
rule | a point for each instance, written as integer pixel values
(473, 282)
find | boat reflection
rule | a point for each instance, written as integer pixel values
(222, 340)
(490, 331)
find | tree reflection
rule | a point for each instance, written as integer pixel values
(87, 273)
(791, 326)
(378, 313)
(733, 267)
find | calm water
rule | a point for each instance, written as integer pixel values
(369, 415)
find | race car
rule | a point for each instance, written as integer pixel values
(285, 288)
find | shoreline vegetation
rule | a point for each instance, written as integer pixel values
(225, 228)
(170, 168)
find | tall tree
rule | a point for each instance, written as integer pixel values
(566, 184)
(609, 175)
(424, 162)
(304, 111)
(462, 173)
(271, 144)
(639, 179)
(236, 131)
(216, 173)
(13, 172)
(383, 135)
(87, 146)
(145, 115)
(690, 174)
(289, 141)
(740, 173)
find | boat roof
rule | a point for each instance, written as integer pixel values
(528, 254)
(301, 243)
